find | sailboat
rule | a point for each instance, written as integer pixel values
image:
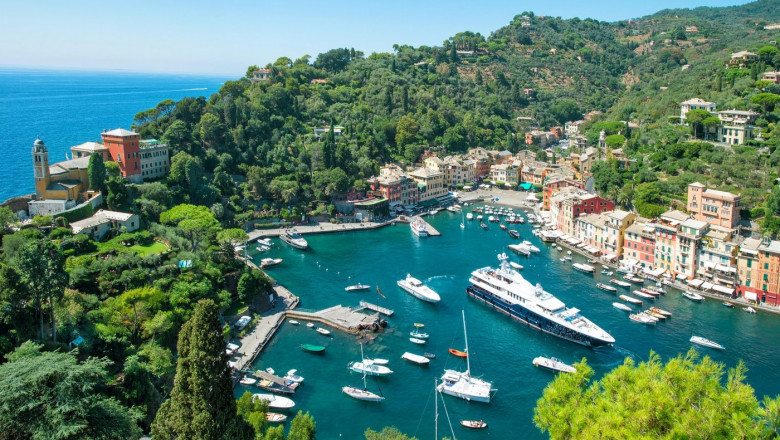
(362, 393)
(461, 384)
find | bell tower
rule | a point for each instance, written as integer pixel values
(40, 156)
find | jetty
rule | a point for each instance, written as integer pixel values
(379, 309)
(342, 318)
(317, 228)
(432, 232)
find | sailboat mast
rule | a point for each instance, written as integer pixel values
(363, 361)
(436, 416)
(466, 338)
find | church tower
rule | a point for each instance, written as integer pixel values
(40, 167)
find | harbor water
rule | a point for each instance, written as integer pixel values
(501, 348)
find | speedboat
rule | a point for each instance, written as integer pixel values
(294, 239)
(310, 324)
(293, 376)
(621, 306)
(619, 282)
(268, 262)
(272, 417)
(661, 311)
(473, 424)
(514, 234)
(293, 322)
(633, 279)
(631, 300)
(418, 335)
(693, 296)
(368, 367)
(415, 358)
(247, 381)
(727, 304)
(706, 342)
(357, 288)
(643, 319)
(418, 289)
(641, 294)
(553, 364)
(417, 341)
(606, 287)
(469, 216)
(520, 249)
(606, 272)
(265, 242)
(263, 248)
(483, 226)
(274, 402)
(583, 267)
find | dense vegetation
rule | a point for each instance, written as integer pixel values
(247, 156)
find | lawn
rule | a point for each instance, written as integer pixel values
(143, 250)
(236, 308)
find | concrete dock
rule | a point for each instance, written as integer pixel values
(341, 318)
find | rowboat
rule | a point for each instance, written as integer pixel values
(429, 355)
(458, 353)
(631, 300)
(706, 342)
(312, 348)
(473, 424)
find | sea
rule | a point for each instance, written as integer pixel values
(501, 349)
(67, 108)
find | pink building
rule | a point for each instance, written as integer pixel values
(639, 243)
(718, 208)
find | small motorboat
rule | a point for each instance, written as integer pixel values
(567, 258)
(750, 310)
(655, 314)
(247, 381)
(419, 325)
(268, 262)
(415, 358)
(553, 364)
(272, 417)
(661, 311)
(727, 304)
(270, 370)
(606, 287)
(293, 322)
(605, 267)
(322, 331)
(641, 294)
(310, 324)
(704, 342)
(513, 233)
(429, 355)
(608, 273)
(693, 296)
(562, 260)
(417, 341)
(418, 335)
(622, 306)
(634, 279)
(293, 376)
(483, 226)
(643, 319)
(619, 282)
(378, 361)
(274, 402)
(265, 242)
(631, 300)
(473, 424)
(516, 265)
(263, 248)
(357, 288)
(312, 348)
(503, 227)
(458, 353)
(559, 248)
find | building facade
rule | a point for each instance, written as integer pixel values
(718, 208)
(123, 148)
(155, 162)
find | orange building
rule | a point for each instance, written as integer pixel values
(758, 265)
(719, 208)
(123, 147)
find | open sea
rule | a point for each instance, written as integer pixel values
(67, 108)
(502, 349)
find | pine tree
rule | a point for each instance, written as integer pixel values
(201, 405)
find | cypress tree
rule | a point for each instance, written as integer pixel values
(201, 405)
(96, 171)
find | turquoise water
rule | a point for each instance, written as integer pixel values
(67, 108)
(502, 349)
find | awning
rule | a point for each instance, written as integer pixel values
(708, 264)
(531, 198)
(706, 286)
(727, 269)
(681, 276)
(695, 282)
(609, 257)
(657, 272)
(751, 296)
(721, 289)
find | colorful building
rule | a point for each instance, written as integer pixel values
(553, 185)
(639, 243)
(718, 208)
(666, 229)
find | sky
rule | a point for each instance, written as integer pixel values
(224, 37)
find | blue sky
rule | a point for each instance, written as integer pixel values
(224, 37)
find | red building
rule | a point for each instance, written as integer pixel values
(123, 146)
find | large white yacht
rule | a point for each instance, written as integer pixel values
(418, 289)
(294, 239)
(418, 227)
(507, 291)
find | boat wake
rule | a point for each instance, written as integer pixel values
(439, 277)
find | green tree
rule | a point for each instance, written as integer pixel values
(773, 201)
(201, 405)
(196, 222)
(118, 198)
(7, 218)
(51, 395)
(695, 119)
(97, 173)
(767, 101)
(615, 140)
(40, 266)
(387, 433)
(112, 169)
(406, 131)
(302, 427)
(685, 398)
(228, 239)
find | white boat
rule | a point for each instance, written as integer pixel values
(479, 217)
(293, 376)
(273, 417)
(693, 296)
(293, 322)
(568, 252)
(750, 310)
(706, 342)
(367, 366)
(379, 361)
(294, 239)
(263, 248)
(274, 401)
(310, 324)
(418, 341)
(265, 242)
(268, 262)
(530, 246)
(363, 393)
(418, 334)
(452, 209)
(567, 258)
(516, 265)
(631, 300)
(606, 287)
(323, 331)
(469, 216)
(553, 364)
(461, 384)
(357, 287)
(559, 248)
(418, 227)
(520, 249)
(247, 381)
(582, 267)
(418, 289)
(643, 319)
(621, 306)
(491, 219)
(619, 282)
(415, 358)
(641, 294)
(607, 273)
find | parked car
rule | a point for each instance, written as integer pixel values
(242, 322)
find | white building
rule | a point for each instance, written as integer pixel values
(695, 104)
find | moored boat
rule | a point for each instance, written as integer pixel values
(274, 387)
(429, 355)
(587, 268)
(621, 306)
(661, 311)
(643, 319)
(516, 265)
(654, 314)
(417, 341)
(357, 287)
(631, 300)
(693, 296)
(619, 282)
(312, 348)
(418, 227)
(268, 262)
(483, 226)
(274, 401)
(727, 304)
(272, 417)
(310, 324)
(293, 376)
(294, 239)
(750, 310)
(606, 287)
(418, 335)
(520, 249)
(457, 353)
(415, 358)
(641, 294)
(634, 279)
(370, 368)
(706, 342)
(247, 381)
(322, 331)
(553, 364)
(293, 322)
(419, 290)
(473, 424)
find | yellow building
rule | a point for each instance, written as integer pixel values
(62, 181)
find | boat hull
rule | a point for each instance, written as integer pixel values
(534, 320)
